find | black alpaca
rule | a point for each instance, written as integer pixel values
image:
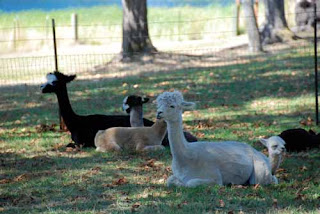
(300, 140)
(83, 128)
(133, 105)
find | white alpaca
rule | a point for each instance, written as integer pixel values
(199, 163)
(276, 147)
(132, 138)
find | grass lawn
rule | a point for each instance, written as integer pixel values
(242, 102)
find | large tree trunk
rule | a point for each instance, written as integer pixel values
(252, 27)
(135, 28)
(276, 27)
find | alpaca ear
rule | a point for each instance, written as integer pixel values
(145, 99)
(70, 78)
(187, 105)
(264, 142)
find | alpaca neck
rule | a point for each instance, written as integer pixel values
(160, 129)
(177, 140)
(136, 116)
(275, 161)
(66, 111)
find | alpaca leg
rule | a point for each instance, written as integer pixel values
(198, 181)
(174, 181)
(111, 146)
(261, 171)
(100, 149)
(153, 148)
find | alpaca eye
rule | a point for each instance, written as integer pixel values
(274, 147)
(171, 106)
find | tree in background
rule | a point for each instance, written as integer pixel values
(276, 27)
(135, 32)
(252, 27)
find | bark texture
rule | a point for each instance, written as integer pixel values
(135, 28)
(276, 27)
(252, 27)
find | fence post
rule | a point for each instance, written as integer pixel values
(179, 25)
(74, 26)
(14, 34)
(47, 28)
(236, 21)
(18, 28)
(55, 45)
(61, 122)
(316, 62)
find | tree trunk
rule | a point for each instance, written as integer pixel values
(276, 27)
(135, 28)
(252, 27)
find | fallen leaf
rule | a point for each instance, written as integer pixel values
(256, 186)
(275, 203)
(120, 181)
(21, 177)
(181, 204)
(221, 203)
(5, 181)
(135, 206)
(303, 168)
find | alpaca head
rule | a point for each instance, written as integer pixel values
(170, 106)
(133, 100)
(55, 81)
(275, 145)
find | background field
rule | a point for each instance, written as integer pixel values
(31, 30)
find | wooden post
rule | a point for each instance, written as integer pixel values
(179, 25)
(237, 18)
(74, 25)
(256, 9)
(18, 28)
(47, 28)
(55, 45)
(15, 34)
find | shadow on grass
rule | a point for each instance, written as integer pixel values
(71, 183)
(263, 77)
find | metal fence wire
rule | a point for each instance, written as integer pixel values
(223, 65)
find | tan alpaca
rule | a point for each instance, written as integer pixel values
(132, 138)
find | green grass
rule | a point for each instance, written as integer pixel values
(240, 102)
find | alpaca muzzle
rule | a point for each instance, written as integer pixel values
(159, 115)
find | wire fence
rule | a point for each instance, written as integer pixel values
(278, 82)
